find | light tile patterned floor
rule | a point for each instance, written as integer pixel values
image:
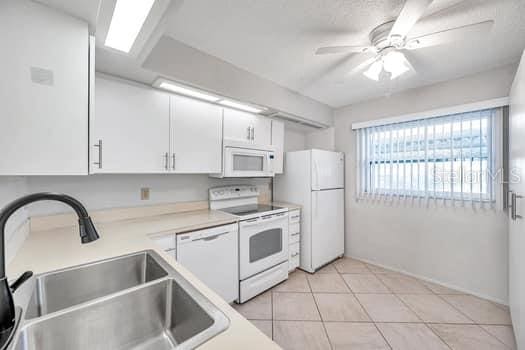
(351, 305)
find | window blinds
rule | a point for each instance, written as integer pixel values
(449, 158)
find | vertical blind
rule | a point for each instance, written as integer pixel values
(449, 157)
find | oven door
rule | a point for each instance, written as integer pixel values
(263, 243)
(243, 162)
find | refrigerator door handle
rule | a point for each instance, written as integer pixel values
(315, 202)
(316, 171)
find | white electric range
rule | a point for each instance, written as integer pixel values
(263, 238)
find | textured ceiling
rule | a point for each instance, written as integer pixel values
(276, 39)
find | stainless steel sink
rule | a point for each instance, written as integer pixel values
(61, 289)
(154, 309)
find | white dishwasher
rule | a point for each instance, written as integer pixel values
(213, 256)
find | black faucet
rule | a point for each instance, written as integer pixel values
(88, 233)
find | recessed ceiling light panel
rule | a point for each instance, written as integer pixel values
(126, 23)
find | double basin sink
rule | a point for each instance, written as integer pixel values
(136, 301)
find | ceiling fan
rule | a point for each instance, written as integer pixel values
(390, 39)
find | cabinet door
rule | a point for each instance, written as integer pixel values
(196, 136)
(278, 143)
(44, 91)
(132, 122)
(247, 127)
(237, 125)
(262, 131)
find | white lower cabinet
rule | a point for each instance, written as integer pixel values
(213, 256)
(294, 234)
(168, 243)
(294, 256)
(172, 253)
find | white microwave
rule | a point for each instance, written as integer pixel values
(247, 162)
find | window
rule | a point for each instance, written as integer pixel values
(449, 157)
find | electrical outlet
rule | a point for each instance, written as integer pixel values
(144, 193)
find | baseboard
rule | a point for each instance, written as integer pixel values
(424, 278)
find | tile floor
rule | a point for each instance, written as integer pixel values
(353, 305)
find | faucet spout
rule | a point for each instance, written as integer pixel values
(88, 233)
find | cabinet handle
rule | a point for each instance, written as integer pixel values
(253, 133)
(99, 145)
(294, 255)
(166, 161)
(295, 234)
(249, 133)
(173, 161)
(514, 215)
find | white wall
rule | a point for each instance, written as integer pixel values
(321, 139)
(117, 191)
(294, 140)
(461, 248)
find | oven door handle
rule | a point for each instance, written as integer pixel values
(263, 221)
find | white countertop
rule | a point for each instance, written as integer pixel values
(45, 251)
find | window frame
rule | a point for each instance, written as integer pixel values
(494, 189)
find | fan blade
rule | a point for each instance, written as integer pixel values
(343, 49)
(361, 66)
(437, 8)
(470, 31)
(410, 14)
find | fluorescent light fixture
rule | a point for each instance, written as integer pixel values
(181, 89)
(241, 106)
(187, 91)
(374, 70)
(126, 23)
(395, 63)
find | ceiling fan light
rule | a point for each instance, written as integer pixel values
(396, 64)
(374, 70)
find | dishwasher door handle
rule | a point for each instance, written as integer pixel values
(211, 238)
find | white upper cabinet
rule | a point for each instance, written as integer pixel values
(247, 127)
(278, 143)
(262, 131)
(196, 136)
(237, 125)
(44, 91)
(130, 129)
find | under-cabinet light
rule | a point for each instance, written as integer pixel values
(187, 91)
(240, 106)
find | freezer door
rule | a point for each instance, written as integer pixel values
(327, 226)
(327, 170)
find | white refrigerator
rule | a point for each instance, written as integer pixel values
(314, 179)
